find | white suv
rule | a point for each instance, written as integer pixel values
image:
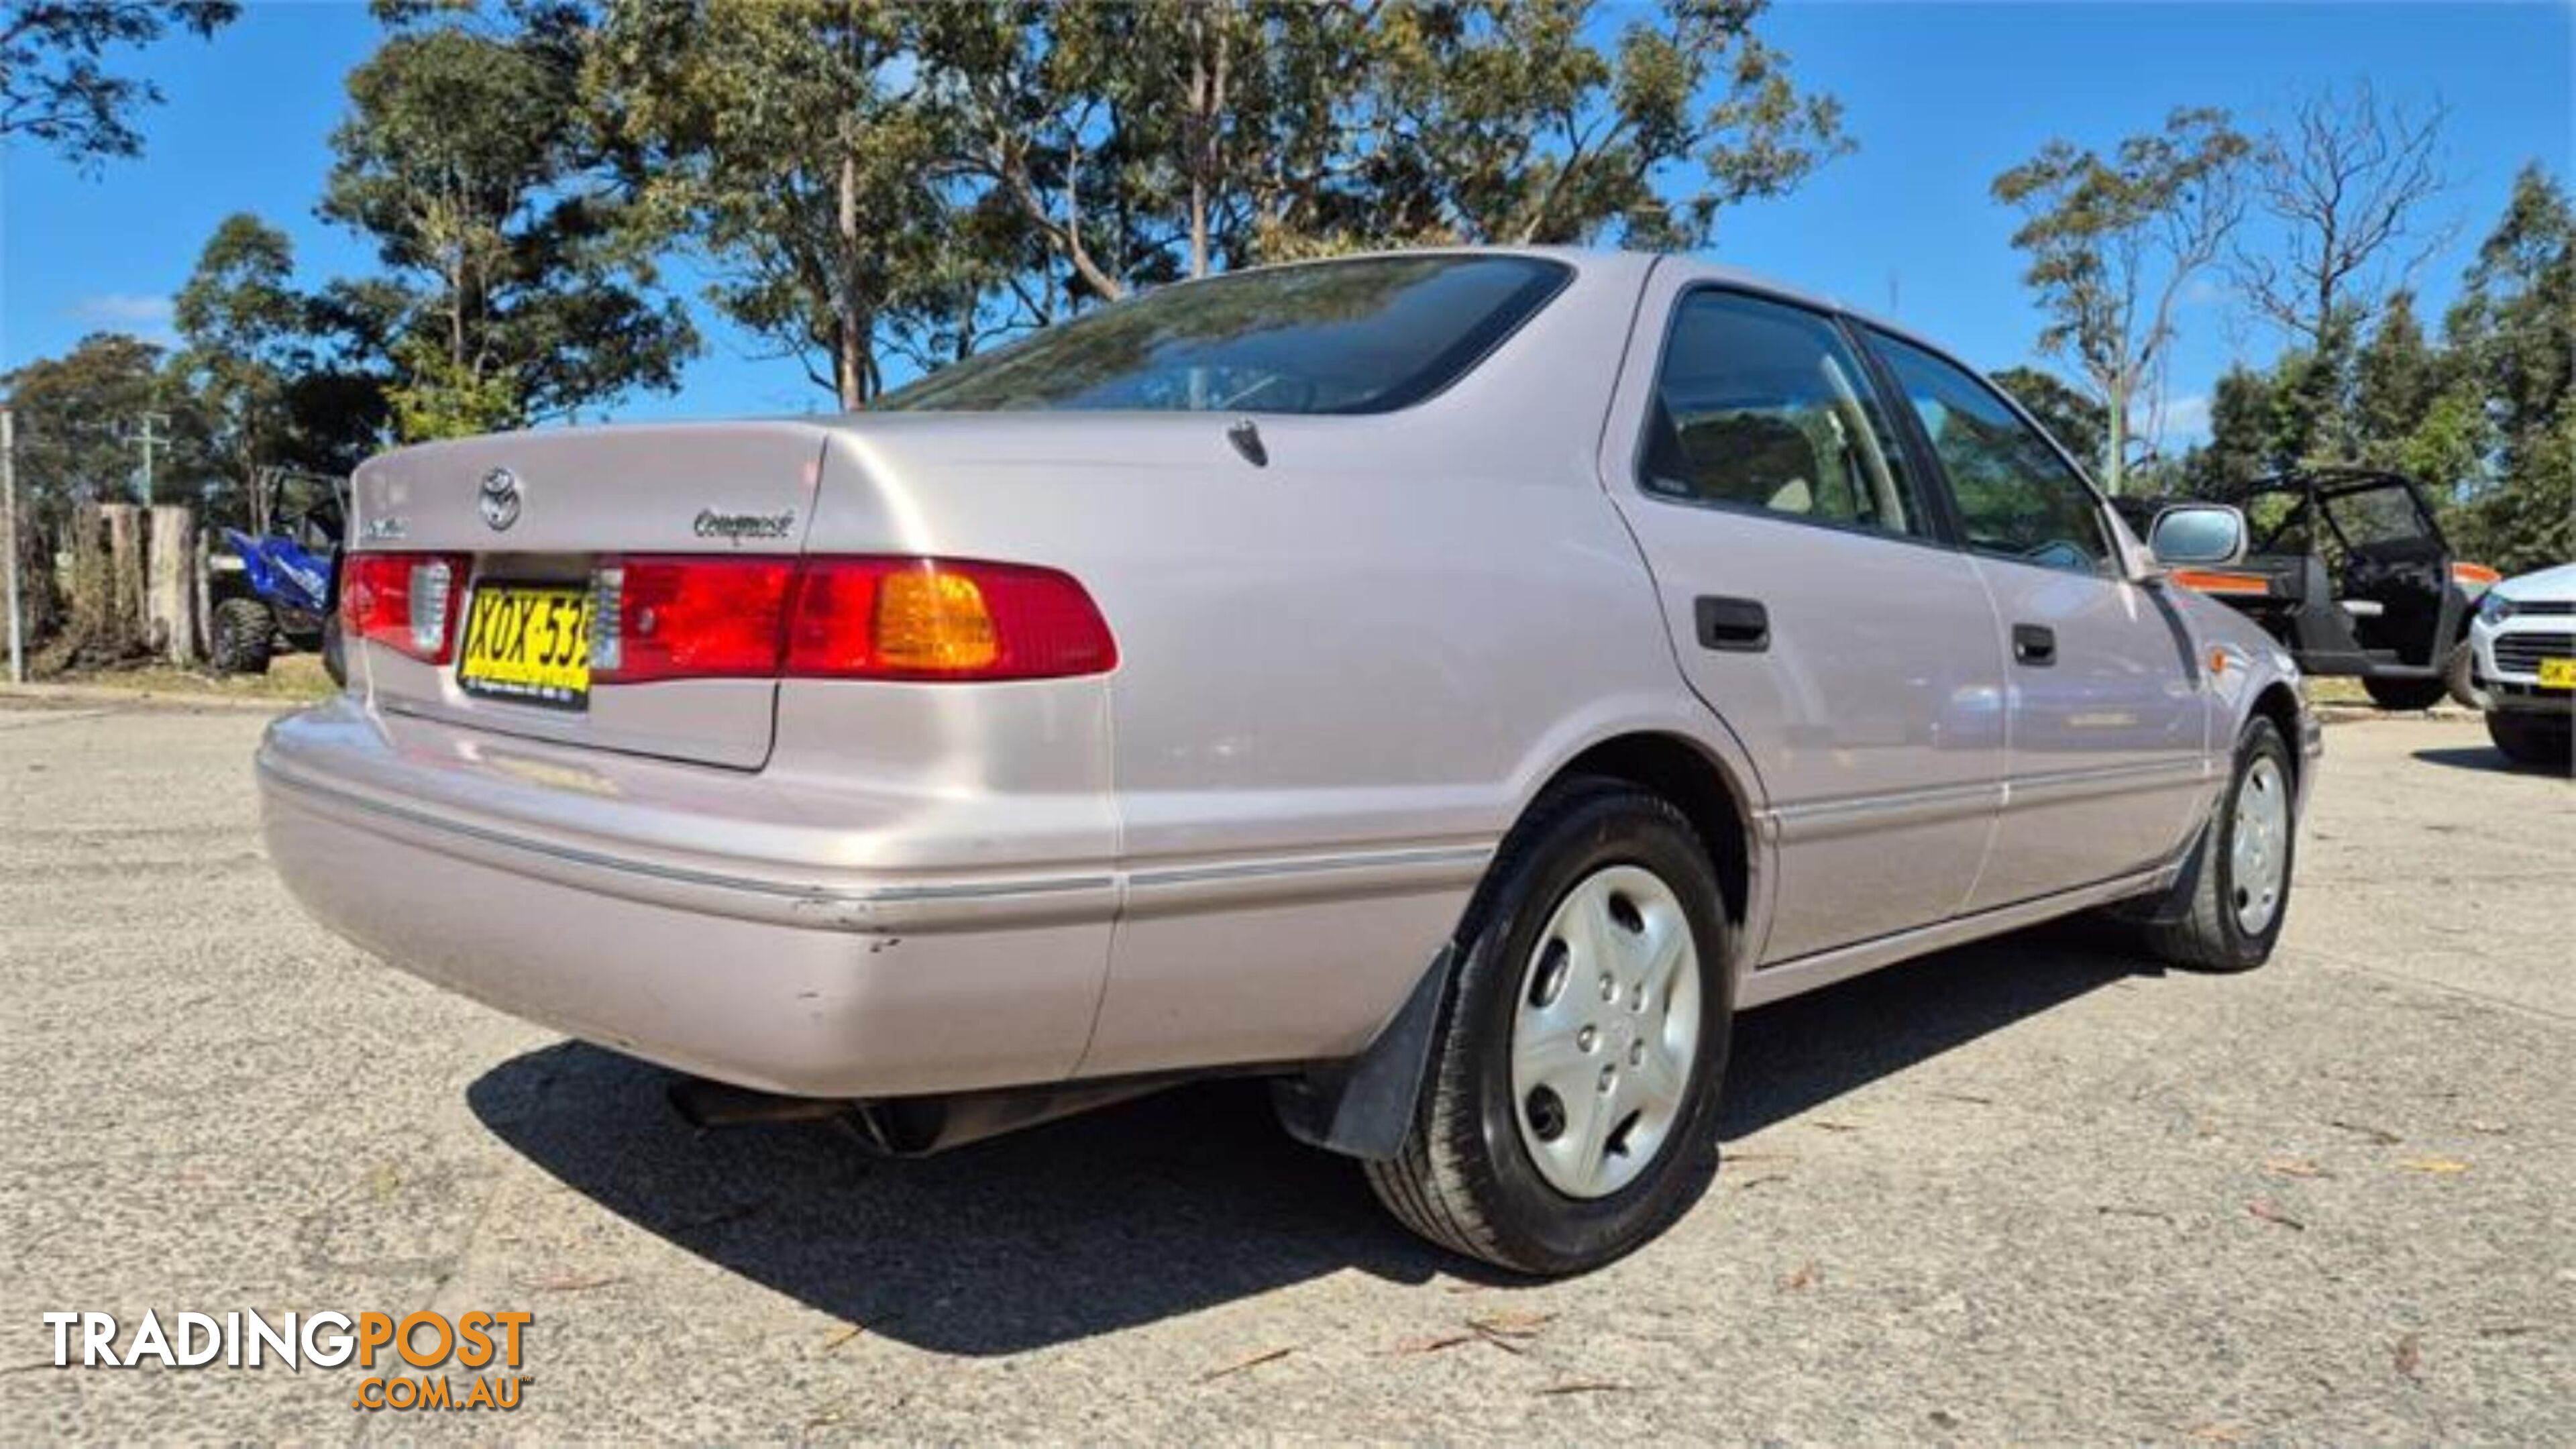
(2522, 666)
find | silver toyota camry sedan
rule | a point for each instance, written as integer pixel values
(1451, 684)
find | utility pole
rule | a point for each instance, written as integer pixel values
(9, 494)
(148, 438)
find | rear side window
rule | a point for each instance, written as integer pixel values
(1365, 336)
(1762, 405)
(2017, 498)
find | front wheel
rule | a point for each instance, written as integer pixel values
(2242, 892)
(1571, 1111)
(2534, 740)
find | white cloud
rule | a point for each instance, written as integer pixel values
(144, 314)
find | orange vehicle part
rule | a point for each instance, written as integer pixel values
(2221, 581)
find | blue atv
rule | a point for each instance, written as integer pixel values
(278, 587)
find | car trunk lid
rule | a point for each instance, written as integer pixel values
(534, 522)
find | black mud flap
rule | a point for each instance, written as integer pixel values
(2172, 904)
(1363, 1107)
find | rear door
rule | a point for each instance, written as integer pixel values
(2108, 719)
(533, 524)
(1815, 606)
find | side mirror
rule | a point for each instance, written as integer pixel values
(2198, 533)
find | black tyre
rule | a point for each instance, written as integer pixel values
(2406, 693)
(1570, 1111)
(2537, 741)
(2460, 677)
(2241, 894)
(241, 637)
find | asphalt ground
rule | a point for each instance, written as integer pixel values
(2035, 1189)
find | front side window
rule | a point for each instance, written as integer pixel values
(1762, 405)
(2017, 498)
(1365, 336)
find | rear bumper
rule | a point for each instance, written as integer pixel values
(806, 978)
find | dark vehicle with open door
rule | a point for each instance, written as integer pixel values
(2350, 571)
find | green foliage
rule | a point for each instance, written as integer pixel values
(1500, 120)
(76, 421)
(264, 371)
(2112, 241)
(493, 206)
(2240, 434)
(2080, 424)
(55, 86)
(774, 139)
(2514, 334)
(440, 397)
(2486, 421)
(1120, 131)
(874, 180)
(2396, 381)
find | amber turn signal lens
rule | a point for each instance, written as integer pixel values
(934, 620)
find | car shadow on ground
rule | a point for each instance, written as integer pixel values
(2481, 757)
(1162, 1206)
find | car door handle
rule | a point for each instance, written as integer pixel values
(2034, 644)
(1736, 626)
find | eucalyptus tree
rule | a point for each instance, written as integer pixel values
(496, 211)
(790, 147)
(2513, 334)
(57, 84)
(2113, 243)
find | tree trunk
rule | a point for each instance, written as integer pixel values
(201, 576)
(170, 610)
(106, 585)
(849, 351)
(1201, 127)
(2115, 457)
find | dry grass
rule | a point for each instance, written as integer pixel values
(289, 677)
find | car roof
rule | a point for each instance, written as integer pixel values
(1604, 263)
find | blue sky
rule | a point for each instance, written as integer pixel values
(1939, 96)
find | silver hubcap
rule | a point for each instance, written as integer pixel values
(2260, 857)
(1606, 1031)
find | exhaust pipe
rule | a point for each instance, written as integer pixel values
(704, 1104)
(905, 1126)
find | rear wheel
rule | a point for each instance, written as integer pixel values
(241, 637)
(2538, 740)
(2242, 892)
(2406, 693)
(1571, 1111)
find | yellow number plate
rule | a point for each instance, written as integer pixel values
(528, 643)
(2558, 673)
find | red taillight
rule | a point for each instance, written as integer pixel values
(920, 618)
(688, 618)
(404, 601)
(842, 618)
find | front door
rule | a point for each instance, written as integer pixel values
(1816, 608)
(2108, 716)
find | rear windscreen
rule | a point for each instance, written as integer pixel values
(1364, 336)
